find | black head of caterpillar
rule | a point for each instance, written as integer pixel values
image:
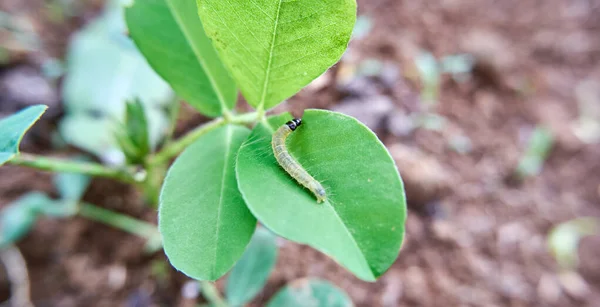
(294, 123)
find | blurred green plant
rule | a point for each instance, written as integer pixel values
(18, 36)
(225, 177)
(430, 70)
(587, 126)
(17, 219)
(563, 240)
(362, 28)
(104, 71)
(540, 144)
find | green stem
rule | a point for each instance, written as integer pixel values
(211, 294)
(176, 147)
(64, 166)
(260, 114)
(123, 222)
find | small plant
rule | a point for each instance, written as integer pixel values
(563, 240)
(430, 72)
(226, 177)
(250, 274)
(540, 144)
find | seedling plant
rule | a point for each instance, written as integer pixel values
(226, 177)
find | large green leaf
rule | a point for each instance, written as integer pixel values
(310, 293)
(104, 71)
(273, 48)
(170, 35)
(361, 224)
(202, 217)
(14, 127)
(251, 272)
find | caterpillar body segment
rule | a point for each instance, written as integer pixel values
(290, 165)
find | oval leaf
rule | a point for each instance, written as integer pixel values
(273, 48)
(310, 293)
(361, 225)
(202, 217)
(14, 127)
(170, 35)
(250, 274)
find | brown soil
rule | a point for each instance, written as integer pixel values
(474, 236)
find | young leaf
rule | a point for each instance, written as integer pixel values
(202, 217)
(311, 292)
(540, 144)
(71, 186)
(17, 219)
(170, 35)
(273, 48)
(251, 272)
(105, 71)
(133, 138)
(14, 127)
(361, 225)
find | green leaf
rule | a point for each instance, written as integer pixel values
(105, 70)
(137, 126)
(133, 138)
(361, 225)
(14, 127)
(251, 272)
(564, 239)
(540, 144)
(170, 35)
(273, 48)
(202, 217)
(71, 186)
(310, 293)
(17, 219)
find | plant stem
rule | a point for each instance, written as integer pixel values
(177, 146)
(211, 294)
(64, 166)
(123, 222)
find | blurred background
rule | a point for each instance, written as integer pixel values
(491, 110)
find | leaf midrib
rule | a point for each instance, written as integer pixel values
(199, 57)
(261, 105)
(222, 192)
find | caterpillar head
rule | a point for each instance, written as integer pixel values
(320, 194)
(294, 123)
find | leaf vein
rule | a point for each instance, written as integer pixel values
(270, 60)
(222, 192)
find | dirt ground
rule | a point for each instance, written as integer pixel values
(475, 236)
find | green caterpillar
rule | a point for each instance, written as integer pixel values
(290, 165)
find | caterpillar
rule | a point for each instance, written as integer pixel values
(290, 165)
